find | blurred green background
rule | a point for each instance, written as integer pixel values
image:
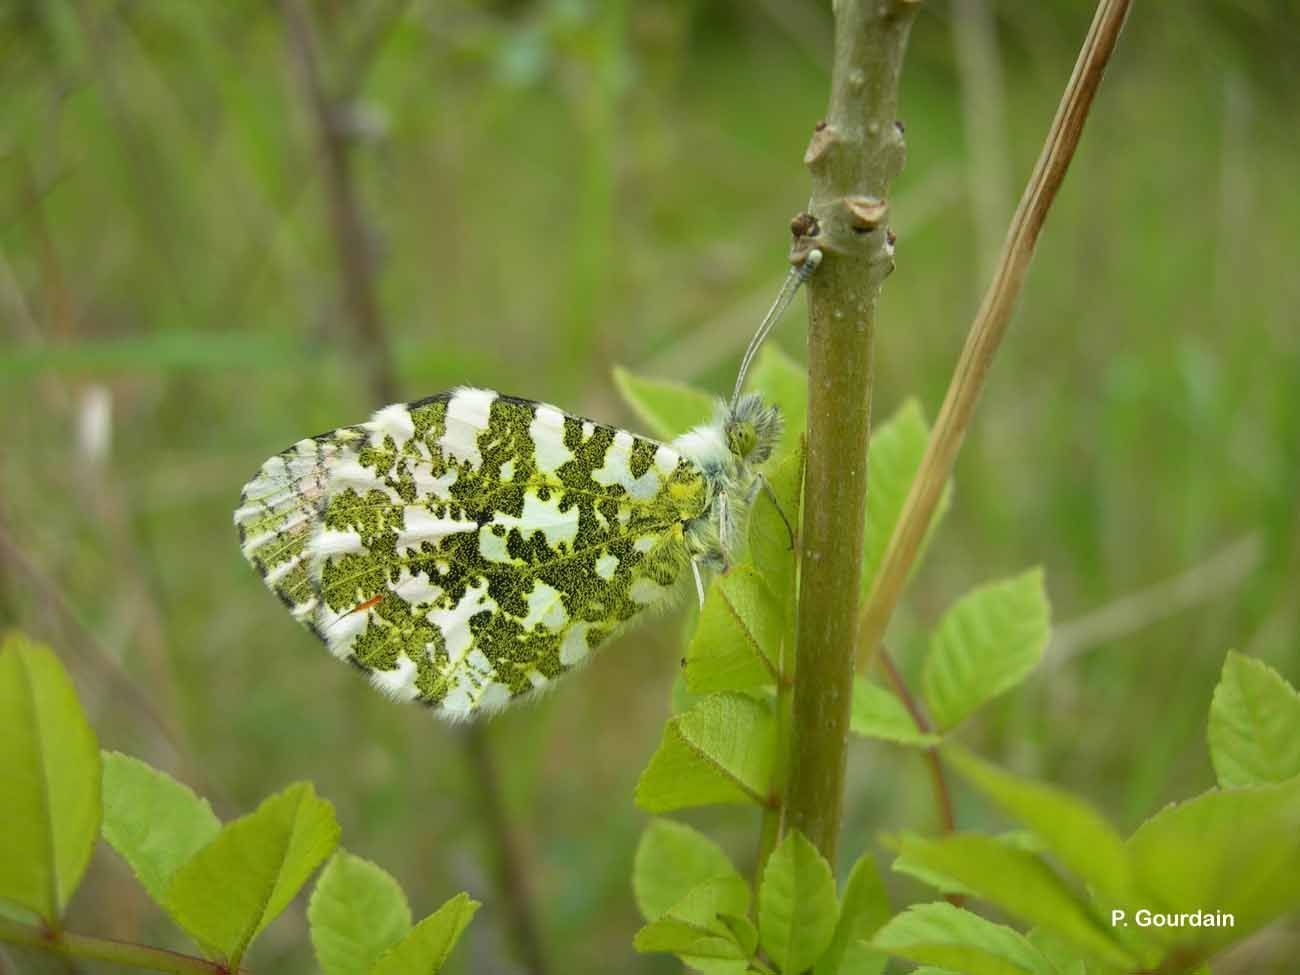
(529, 193)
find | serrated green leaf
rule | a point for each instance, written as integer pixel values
(1063, 956)
(49, 764)
(1019, 883)
(897, 446)
(744, 930)
(783, 383)
(682, 698)
(1235, 851)
(1076, 833)
(703, 903)
(424, 951)
(877, 713)
(231, 889)
(942, 882)
(671, 859)
(772, 527)
(737, 643)
(154, 823)
(947, 936)
(719, 751)
(694, 928)
(797, 908)
(667, 408)
(1254, 725)
(864, 908)
(357, 912)
(1022, 840)
(984, 645)
(696, 946)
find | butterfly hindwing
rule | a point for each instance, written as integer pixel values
(471, 547)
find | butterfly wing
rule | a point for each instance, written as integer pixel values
(470, 548)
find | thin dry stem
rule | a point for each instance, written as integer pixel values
(371, 339)
(989, 327)
(349, 227)
(1215, 577)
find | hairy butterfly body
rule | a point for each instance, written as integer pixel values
(468, 549)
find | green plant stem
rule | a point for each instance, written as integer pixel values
(989, 327)
(942, 797)
(853, 156)
(125, 953)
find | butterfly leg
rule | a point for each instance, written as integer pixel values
(699, 580)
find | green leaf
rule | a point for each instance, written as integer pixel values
(797, 910)
(744, 930)
(695, 930)
(704, 949)
(877, 713)
(231, 889)
(864, 908)
(719, 751)
(984, 645)
(771, 527)
(737, 643)
(947, 936)
(783, 383)
(671, 859)
(1063, 956)
(940, 881)
(49, 765)
(1236, 851)
(357, 912)
(667, 408)
(154, 823)
(945, 883)
(704, 902)
(424, 951)
(1254, 725)
(897, 446)
(1019, 883)
(1075, 832)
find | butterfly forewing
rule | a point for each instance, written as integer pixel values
(471, 547)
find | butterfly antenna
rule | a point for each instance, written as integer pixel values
(796, 277)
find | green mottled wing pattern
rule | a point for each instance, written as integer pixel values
(470, 548)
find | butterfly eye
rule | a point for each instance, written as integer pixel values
(741, 438)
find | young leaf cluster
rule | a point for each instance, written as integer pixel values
(698, 907)
(729, 743)
(1073, 882)
(1232, 852)
(221, 884)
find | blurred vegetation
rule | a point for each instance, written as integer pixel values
(551, 188)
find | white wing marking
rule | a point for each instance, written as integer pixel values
(468, 411)
(547, 431)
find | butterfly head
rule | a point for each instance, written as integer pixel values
(752, 429)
